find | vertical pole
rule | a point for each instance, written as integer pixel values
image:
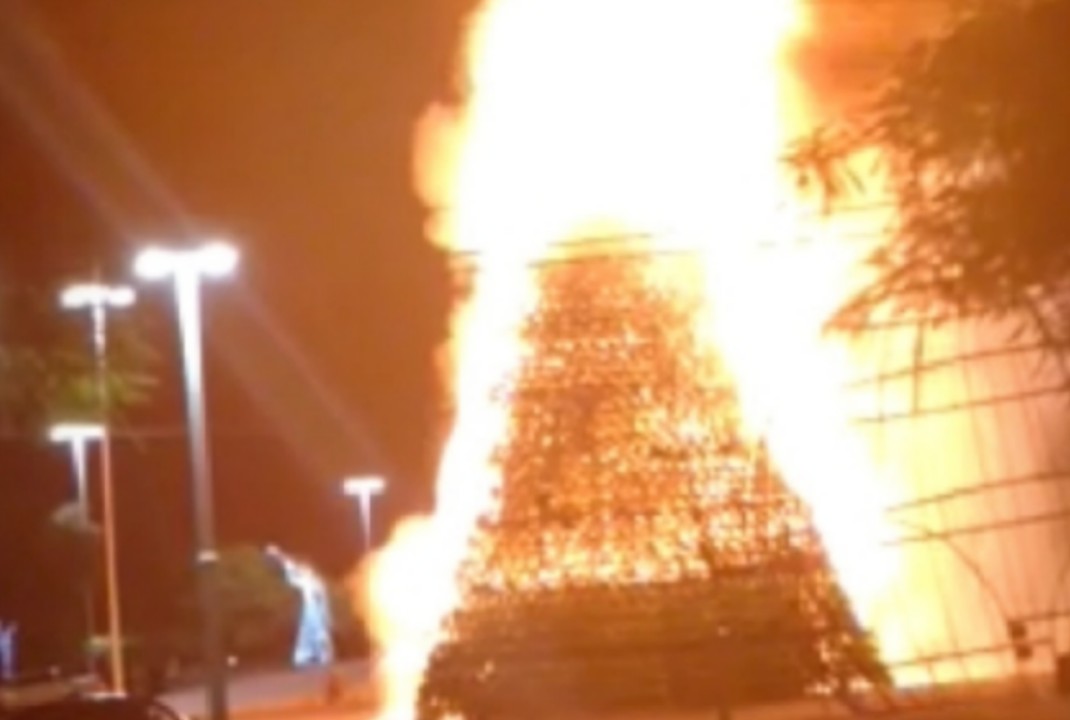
(78, 464)
(188, 300)
(366, 518)
(111, 565)
(81, 489)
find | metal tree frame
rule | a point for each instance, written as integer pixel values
(644, 553)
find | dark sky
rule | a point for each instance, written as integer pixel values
(285, 124)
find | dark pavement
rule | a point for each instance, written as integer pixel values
(274, 691)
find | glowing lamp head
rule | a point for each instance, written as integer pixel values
(154, 264)
(121, 296)
(215, 259)
(91, 294)
(367, 485)
(75, 432)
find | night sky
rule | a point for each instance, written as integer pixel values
(287, 126)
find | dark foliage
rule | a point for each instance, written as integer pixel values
(58, 381)
(971, 134)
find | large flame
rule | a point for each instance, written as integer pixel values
(665, 117)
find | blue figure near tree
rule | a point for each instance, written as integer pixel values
(7, 651)
(314, 644)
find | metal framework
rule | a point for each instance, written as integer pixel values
(643, 554)
(975, 418)
(969, 417)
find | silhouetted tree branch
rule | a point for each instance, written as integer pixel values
(42, 383)
(971, 134)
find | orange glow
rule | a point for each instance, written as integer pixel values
(662, 117)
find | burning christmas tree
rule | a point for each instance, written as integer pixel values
(643, 552)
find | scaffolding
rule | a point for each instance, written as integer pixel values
(644, 553)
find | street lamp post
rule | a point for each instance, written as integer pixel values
(363, 488)
(186, 269)
(77, 437)
(98, 299)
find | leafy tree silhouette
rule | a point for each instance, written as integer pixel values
(971, 136)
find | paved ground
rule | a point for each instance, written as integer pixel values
(300, 695)
(281, 692)
(996, 711)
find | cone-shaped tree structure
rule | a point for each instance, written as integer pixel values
(643, 553)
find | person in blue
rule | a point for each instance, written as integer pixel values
(7, 651)
(314, 645)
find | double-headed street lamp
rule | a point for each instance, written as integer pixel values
(98, 299)
(77, 437)
(187, 269)
(363, 488)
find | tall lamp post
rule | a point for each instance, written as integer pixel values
(363, 489)
(77, 437)
(98, 299)
(187, 269)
